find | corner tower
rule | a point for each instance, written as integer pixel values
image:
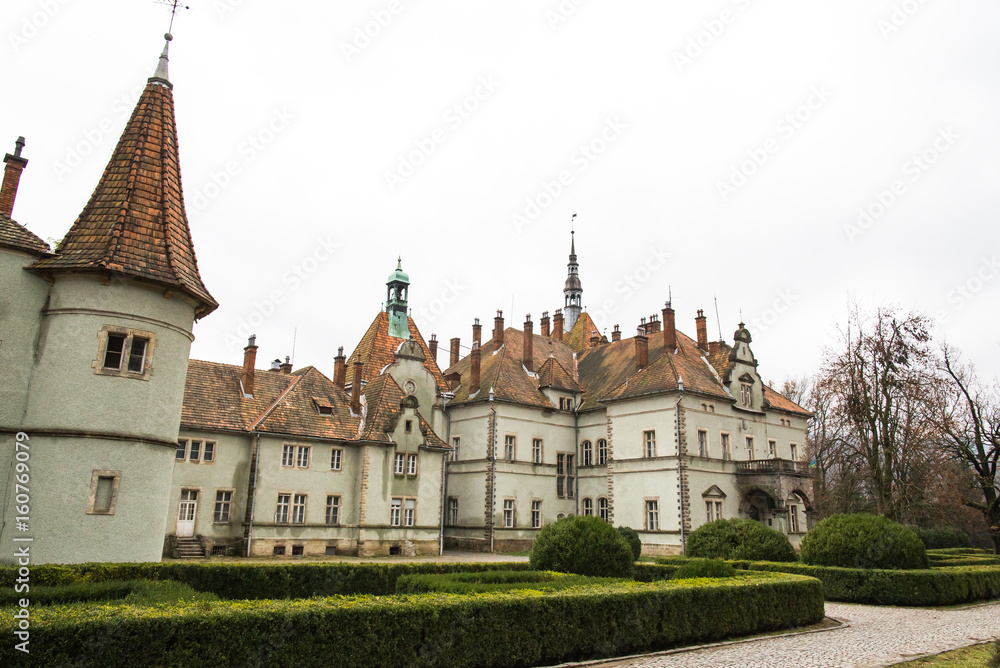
(396, 302)
(573, 291)
(109, 365)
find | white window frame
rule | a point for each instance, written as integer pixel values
(793, 450)
(751, 455)
(588, 507)
(409, 512)
(303, 456)
(649, 443)
(453, 511)
(536, 513)
(746, 394)
(652, 507)
(411, 464)
(509, 513)
(772, 448)
(282, 507)
(222, 511)
(299, 502)
(332, 510)
(287, 456)
(727, 445)
(336, 459)
(703, 443)
(587, 448)
(536, 450)
(603, 508)
(602, 452)
(396, 511)
(399, 464)
(713, 508)
(793, 519)
(510, 447)
(456, 448)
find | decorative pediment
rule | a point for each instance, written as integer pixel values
(714, 491)
(747, 378)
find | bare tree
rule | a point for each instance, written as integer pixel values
(970, 430)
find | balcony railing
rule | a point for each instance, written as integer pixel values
(772, 466)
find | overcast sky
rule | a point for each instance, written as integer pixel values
(781, 156)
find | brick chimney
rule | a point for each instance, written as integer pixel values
(11, 177)
(669, 329)
(545, 324)
(701, 325)
(498, 328)
(654, 324)
(616, 335)
(340, 368)
(286, 368)
(453, 359)
(249, 360)
(714, 347)
(474, 380)
(356, 387)
(477, 332)
(557, 325)
(595, 338)
(528, 347)
(641, 351)
(433, 345)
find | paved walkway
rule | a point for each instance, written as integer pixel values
(874, 636)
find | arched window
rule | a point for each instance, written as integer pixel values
(588, 507)
(602, 508)
(602, 452)
(588, 453)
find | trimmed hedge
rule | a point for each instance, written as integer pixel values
(631, 536)
(705, 568)
(236, 581)
(959, 550)
(944, 561)
(863, 541)
(925, 587)
(491, 581)
(582, 545)
(488, 630)
(739, 539)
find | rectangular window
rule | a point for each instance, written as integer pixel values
(588, 507)
(793, 519)
(652, 515)
(750, 457)
(536, 514)
(281, 510)
(726, 453)
(772, 448)
(194, 454)
(452, 511)
(102, 500)
(395, 512)
(702, 443)
(795, 451)
(181, 451)
(332, 510)
(588, 453)
(223, 505)
(746, 394)
(137, 355)
(336, 459)
(411, 465)
(649, 438)
(409, 512)
(279, 550)
(302, 460)
(299, 509)
(509, 443)
(536, 450)
(409, 427)
(399, 464)
(602, 452)
(508, 513)
(565, 476)
(288, 455)
(456, 448)
(103, 492)
(602, 509)
(713, 510)
(297, 550)
(208, 456)
(113, 352)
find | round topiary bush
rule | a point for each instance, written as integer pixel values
(630, 535)
(739, 539)
(582, 545)
(705, 568)
(863, 541)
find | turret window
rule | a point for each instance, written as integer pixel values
(746, 394)
(124, 352)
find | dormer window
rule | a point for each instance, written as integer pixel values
(124, 352)
(323, 406)
(746, 394)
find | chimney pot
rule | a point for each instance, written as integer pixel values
(340, 368)
(477, 332)
(15, 164)
(545, 329)
(557, 325)
(616, 335)
(701, 324)
(286, 368)
(453, 360)
(669, 329)
(641, 352)
(498, 329)
(528, 348)
(249, 362)
(433, 345)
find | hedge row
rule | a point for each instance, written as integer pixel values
(492, 581)
(235, 581)
(488, 630)
(958, 550)
(944, 561)
(925, 587)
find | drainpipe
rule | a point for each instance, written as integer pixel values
(253, 493)
(576, 459)
(444, 500)
(680, 480)
(493, 475)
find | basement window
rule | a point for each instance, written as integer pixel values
(124, 352)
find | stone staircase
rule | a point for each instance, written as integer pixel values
(189, 548)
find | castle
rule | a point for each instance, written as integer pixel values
(136, 451)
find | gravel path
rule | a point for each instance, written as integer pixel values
(875, 636)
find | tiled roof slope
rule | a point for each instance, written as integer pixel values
(213, 400)
(775, 400)
(298, 415)
(135, 223)
(14, 235)
(552, 374)
(376, 349)
(578, 338)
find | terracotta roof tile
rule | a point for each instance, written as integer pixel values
(377, 349)
(135, 223)
(14, 235)
(552, 374)
(773, 399)
(579, 337)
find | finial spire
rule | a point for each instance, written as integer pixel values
(160, 75)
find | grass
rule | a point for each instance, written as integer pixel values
(976, 656)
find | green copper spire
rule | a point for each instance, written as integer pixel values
(396, 302)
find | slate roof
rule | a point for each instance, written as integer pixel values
(287, 404)
(16, 236)
(135, 223)
(377, 349)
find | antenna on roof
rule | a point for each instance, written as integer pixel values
(718, 323)
(174, 7)
(295, 334)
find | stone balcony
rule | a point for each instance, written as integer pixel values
(773, 466)
(775, 478)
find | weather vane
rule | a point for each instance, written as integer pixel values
(174, 7)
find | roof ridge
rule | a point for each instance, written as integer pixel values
(269, 409)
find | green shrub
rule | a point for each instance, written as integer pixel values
(739, 539)
(491, 581)
(632, 537)
(135, 592)
(705, 568)
(925, 587)
(959, 550)
(582, 545)
(419, 630)
(946, 561)
(863, 541)
(941, 537)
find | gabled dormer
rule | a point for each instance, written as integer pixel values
(741, 378)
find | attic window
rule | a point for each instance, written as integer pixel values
(124, 352)
(409, 426)
(323, 406)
